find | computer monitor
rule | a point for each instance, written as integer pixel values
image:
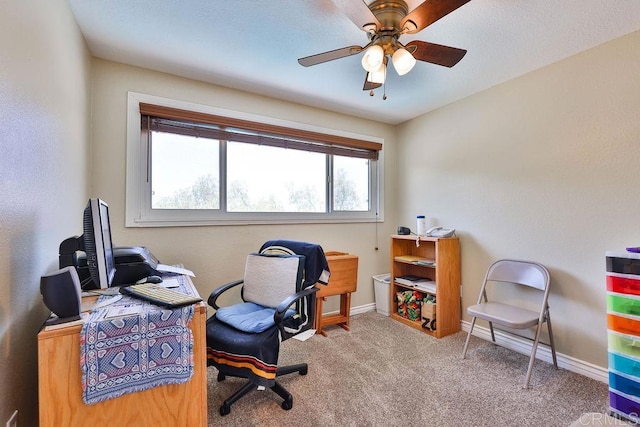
(95, 242)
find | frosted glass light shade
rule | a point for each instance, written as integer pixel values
(379, 75)
(372, 58)
(403, 61)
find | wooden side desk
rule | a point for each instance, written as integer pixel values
(60, 389)
(343, 281)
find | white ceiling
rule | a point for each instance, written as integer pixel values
(254, 45)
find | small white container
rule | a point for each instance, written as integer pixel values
(421, 225)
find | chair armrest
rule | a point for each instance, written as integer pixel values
(278, 316)
(219, 291)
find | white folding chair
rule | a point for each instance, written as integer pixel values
(525, 273)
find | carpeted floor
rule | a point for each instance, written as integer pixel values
(383, 373)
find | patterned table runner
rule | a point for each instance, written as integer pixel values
(134, 353)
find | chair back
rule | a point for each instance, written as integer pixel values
(270, 279)
(520, 272)
(316, 268)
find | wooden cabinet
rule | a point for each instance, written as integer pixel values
(437, 259)
(60, 389)
(343, 281)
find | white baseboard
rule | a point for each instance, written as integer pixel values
(523, 346)
(363, 309)
(355, 310)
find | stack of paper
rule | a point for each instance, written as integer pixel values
(429, 286)
(420, 283)
(410, 280)
(414, 259)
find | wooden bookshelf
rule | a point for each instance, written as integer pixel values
(437, 259)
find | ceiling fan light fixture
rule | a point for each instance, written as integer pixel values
(373, 58)
(379, 75)
(403, 61)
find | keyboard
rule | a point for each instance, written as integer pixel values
(159, 295)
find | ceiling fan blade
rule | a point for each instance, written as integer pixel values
(359, 13)
(319, 58)
(435, 53)
(427, 13)
(369, 85)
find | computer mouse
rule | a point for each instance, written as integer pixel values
(150, 279)
(154, 279)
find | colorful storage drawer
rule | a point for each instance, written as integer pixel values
(624, 325)
(624, 344)
(623, 304)
(623, 284)
(624, 365)
(623, 406)
(624, 385)
(623, 330)
(625, 263)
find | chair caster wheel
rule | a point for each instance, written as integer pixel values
(304, 371)
(287, 404)
(225, 409)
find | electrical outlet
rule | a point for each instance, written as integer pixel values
(13, 421)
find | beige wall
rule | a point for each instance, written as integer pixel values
(543, 167)
(44, 122)
(216, 253)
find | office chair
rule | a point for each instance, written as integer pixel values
(529, 274)
(278, 290)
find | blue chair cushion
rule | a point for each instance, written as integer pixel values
(249, 317)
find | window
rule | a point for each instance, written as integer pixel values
(184, 172)
(198, 165)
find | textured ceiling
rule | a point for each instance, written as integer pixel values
(254, 45)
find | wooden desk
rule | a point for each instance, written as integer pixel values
(343, 281)
(60, 389)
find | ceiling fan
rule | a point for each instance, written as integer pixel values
(385, 21)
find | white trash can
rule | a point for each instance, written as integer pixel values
(381, 288)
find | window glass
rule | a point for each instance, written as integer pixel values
(350, 184)
(185, 172)
(272, 179)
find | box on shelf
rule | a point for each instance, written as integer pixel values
(428, 313)
(428, 310)
(409, 303)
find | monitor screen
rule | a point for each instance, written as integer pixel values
(97, 243)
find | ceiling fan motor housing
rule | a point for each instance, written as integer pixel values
(389, 13)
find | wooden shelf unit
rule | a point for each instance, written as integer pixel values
(441, 257)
